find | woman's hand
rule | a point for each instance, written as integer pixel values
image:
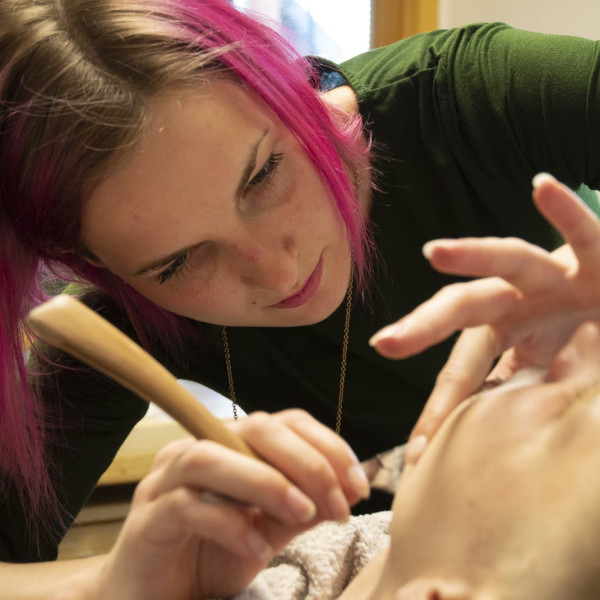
(527, 307)
(184, 540)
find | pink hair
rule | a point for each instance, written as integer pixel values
(75, 80)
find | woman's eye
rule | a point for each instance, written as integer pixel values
(172, 269)
(268, 170)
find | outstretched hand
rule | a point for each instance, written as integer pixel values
(525, 309)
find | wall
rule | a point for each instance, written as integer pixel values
(575, 17)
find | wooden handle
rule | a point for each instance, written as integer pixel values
(68, 324)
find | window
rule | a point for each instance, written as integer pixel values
(320, 27)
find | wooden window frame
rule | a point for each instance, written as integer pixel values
(392, 20)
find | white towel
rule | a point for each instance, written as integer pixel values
(320, 563)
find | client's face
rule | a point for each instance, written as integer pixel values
(505, 503)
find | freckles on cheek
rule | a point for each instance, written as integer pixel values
(216, 301)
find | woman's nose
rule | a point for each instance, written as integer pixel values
(269, 266)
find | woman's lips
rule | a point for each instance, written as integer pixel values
(306, 292)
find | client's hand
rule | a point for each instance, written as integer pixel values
(182, 540)
(527, 307)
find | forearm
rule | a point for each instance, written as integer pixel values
(60, 580)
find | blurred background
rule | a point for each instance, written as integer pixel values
(340, 29)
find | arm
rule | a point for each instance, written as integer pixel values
(522, 103)
(528, 305)
(64, 580)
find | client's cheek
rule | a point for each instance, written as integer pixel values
(514, 417)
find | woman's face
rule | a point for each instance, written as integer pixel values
(506, 497)
(219, 216)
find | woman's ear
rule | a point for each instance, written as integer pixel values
(433, 589)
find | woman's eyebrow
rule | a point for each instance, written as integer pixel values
(250, 165)
(246, 174)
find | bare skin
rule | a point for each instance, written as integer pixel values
(503, 503)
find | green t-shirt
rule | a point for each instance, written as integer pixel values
(461, 120)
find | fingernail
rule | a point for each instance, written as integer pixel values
(428, 249)
(352, 455)
(338, 505)
(382, 333)
(302, 507)
(359, 481)
(257, 544)
(541, 178)
(415, 448)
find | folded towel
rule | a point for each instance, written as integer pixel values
(320, 563)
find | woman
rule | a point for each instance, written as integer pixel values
(175, 156)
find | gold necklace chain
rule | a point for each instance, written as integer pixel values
(229, 372)
(346, 337)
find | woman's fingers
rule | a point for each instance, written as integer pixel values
(187, 511)
(524, 265)
(464, 372)
(311, 456)
(306, 471)
(453, 308)
(340, 456)
(329, 446)
(208, 466)
(530, 299)
(576, 222)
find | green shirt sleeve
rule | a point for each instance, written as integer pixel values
(509, 102)
(511, 98)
